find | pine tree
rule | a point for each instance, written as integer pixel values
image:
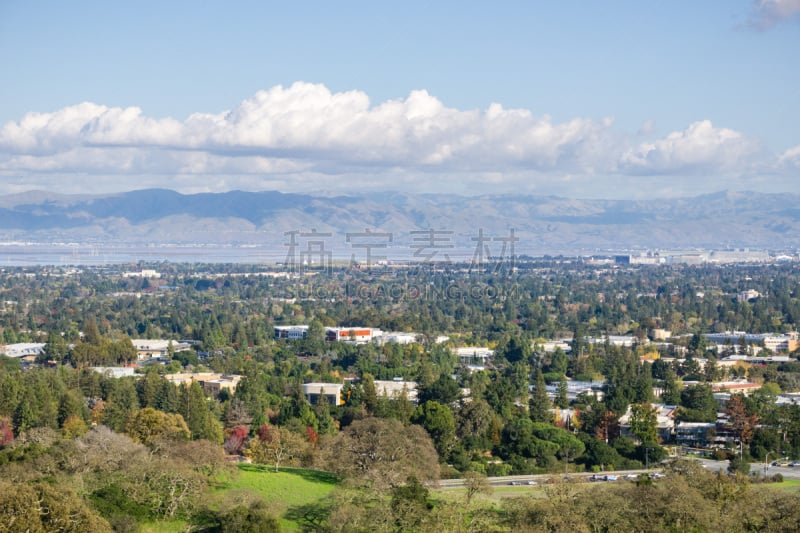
(562, 401)
(539, 403)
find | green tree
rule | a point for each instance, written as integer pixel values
(56, 348)
(539, 403)
(198, 413)
(444, 390)
(438, 421)
(275, 445)
(698, 404)
(149, 426)
(121, 404)
(643, 422)
(561, 400)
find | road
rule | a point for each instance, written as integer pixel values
(714, 466)
(540, 478)
(787, 472)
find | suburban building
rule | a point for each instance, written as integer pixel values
(226, 382)
(473, 355)
(115, 371)
(146, 273)
(397, 337)
(660, 334)
(697, 434)
(565, 345)
(149, 348)
(331, 391)
(786, 342)
(733, 360)
(665, 421)
(747, 295)
(212, 382)
(356, 335)
(576, 388)
(23, 350)
(394, 389)
(735, 387)
(291, 332)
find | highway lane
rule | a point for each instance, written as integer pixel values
(532, 480)
(539, 479)
(788, 472)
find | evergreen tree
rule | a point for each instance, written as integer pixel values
(539, 403)
(56, 348)
(369, 396)
(122, 402)
(562, 401)
(672, 388)
(198, 415)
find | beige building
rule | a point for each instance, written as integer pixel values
(212, 382)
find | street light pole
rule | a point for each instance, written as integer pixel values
(766, 462)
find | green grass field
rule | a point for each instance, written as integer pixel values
(291, 494)
(787, 485)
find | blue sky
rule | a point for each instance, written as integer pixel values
(583, 99)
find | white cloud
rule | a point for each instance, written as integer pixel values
(305, 137)
(766, 14)
(699, 148)
(790, 159)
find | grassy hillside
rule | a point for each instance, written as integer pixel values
(291, 493)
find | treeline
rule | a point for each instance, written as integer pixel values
(537, 300)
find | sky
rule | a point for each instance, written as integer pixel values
(615, 99)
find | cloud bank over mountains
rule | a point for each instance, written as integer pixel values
(305, 137)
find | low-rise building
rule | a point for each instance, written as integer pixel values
(145, 273)
(398, 337)
(149, 348)
(355, 335)
(115, 371)
(475, 358)
(332, 392)
(565, 345)
(665, 421)
(775, 342)
(697, 434)
(394, 389)
(23, 350)
(296, 332)
(212, 382)
(226, 382)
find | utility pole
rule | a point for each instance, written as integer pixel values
(766, 462)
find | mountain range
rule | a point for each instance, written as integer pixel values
(543, 224)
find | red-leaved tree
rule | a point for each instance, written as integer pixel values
(234, 442)
(6, 431)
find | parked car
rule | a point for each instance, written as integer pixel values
(794, 463)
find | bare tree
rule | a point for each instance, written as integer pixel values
(382, 453)
(475, 483)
